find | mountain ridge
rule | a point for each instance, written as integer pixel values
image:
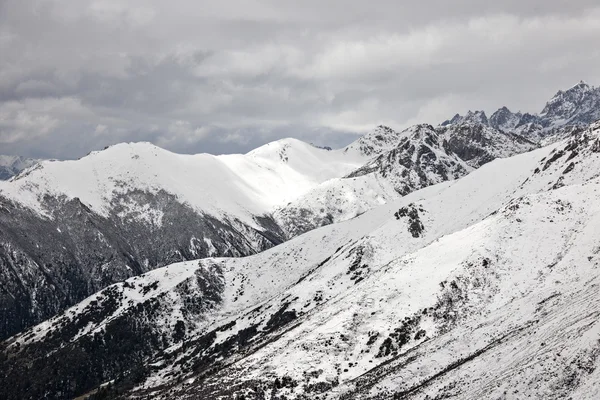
(578, 105)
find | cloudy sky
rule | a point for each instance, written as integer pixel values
(229, 75)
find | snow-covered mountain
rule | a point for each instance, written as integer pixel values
(576, 106)
(71, 228)
(481, 287)
(504, 119)
(441, 250)
(13, 165)
(416, 159)
(421, 159)
(422, 156)
(378, 141)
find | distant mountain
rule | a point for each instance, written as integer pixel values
(473, 117)
(12, 165)
(477, 143)
(579, 105)
(576, 106)
(504, 119)
(422, 158)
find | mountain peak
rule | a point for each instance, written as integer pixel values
(582, 84)
(579, 104)
(382, 138)
(472, 117)
(504, 119)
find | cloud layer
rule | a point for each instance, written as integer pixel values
(227, 76)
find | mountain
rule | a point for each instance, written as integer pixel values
(415, 160)
(379, 140)
(421, 159)
(405, 161)
(13, 165)
(71, 228)
(505, 120)
(473, 117)
(480, 287)
(400, 266)
(477, 143)
(576, 106)
(579, 105)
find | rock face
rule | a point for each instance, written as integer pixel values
(12, 165)
(421, 159)
(379, 140)
(477, 144)
(420, 298)
(473, 117)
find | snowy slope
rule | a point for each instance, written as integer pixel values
(456, 274)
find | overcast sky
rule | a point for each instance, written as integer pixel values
(229, 75)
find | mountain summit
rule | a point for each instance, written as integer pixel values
(578, 105)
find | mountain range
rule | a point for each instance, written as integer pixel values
(576, 106)
(456, 260)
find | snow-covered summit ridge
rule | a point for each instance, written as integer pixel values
(236, 184)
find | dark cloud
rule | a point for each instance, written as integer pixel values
(227, 76)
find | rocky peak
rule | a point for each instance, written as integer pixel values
(419, 160)
(472, 117)
(578, 105)
(454, 120)
(478, 144)
(477, 117)
(504, 119)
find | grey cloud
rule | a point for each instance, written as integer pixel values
(227, 76)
